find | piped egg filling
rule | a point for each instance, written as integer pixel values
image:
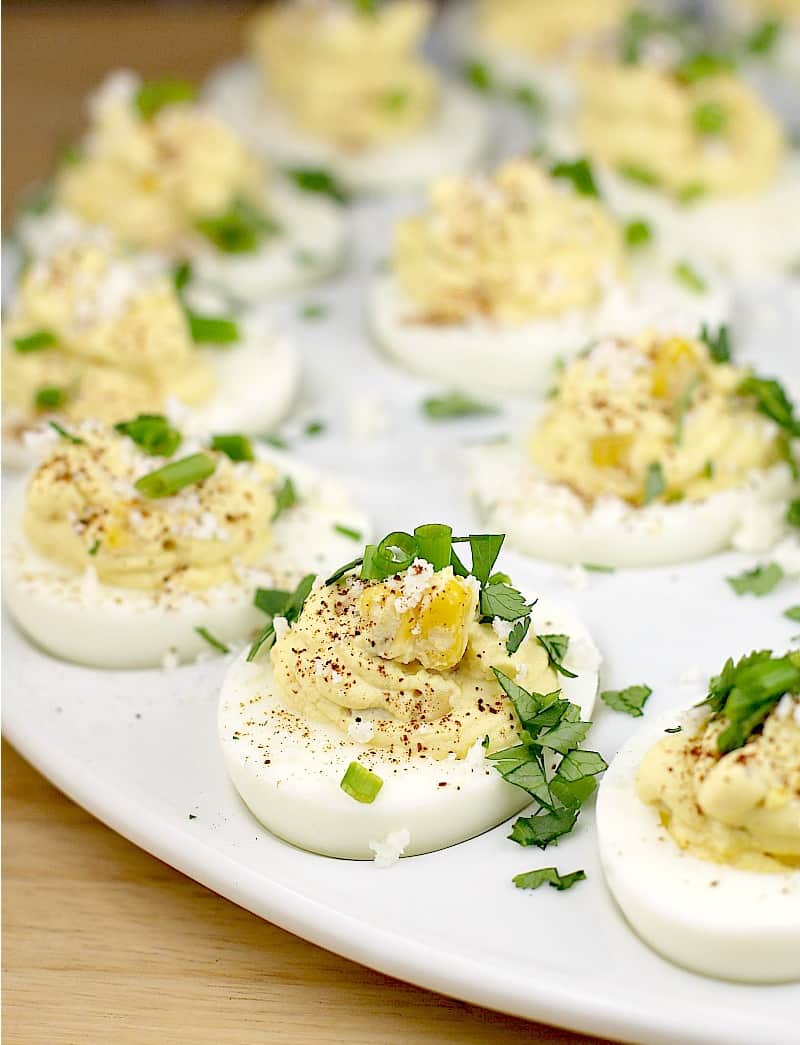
(548, 31)
(405, 665)
(511, 248)
(345, 75)
(94, 334)
(653, 418)
(741, 807)
(693, 131)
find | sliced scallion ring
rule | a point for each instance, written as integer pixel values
(166, 481)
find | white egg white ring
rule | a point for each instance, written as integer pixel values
(484, 358)
(549, 521)
(79, 619)
(257, 382)
(455, 141)
(310, 246)
(288, 770)
(710, 918)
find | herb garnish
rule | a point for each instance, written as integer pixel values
(50, 397)
(640, 175)
(95, 548)
(166, 481)
(218, 330)
(744, 693)
(719, 344)
(285, 497)
(691, 279)
(701, 65)
(155, 95)
(276, 603)
(454, 404)
(237, 447)
(478, 76)
(347, 531)
(793, 613)
(314, 428)
(580, 173)
(313, 311)
(204, 633)
(690, 192)
(772, 401)
(630, 700)
(361, 783)
(710, 118)
(654, 482)
(318, 180)
(517, 634)
(35, 341)
(238, 230)
(152, 433)
(74, 439)
(549, 875)
(555, 646)
(793, 513)
(638, 233)
(764, 37)
(759, 581)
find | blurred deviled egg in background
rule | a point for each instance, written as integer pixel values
(502, 275)
(93, 332)
(653, 449)
(132, 547)
(160, 172)
(698, 824)
(380, 712)
(338, 89)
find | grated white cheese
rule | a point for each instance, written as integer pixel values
(389, 851)
(281, 626)
(415, 581)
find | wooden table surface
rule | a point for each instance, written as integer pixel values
(103, 943)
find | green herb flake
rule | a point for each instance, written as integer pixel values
(793, 613)
(718, 344)
(555, 646)
(772, 401)
(313, 311)
(314, 428)
(274, 603)
(793, 513)
(630, 701)
(710, 118)
(277, 441)
(690, 192)
(155, 95)
(220, 647)
(759, 581)
(638, 233)
(214, 330)
(238, 230)
(237, 447)
(167, 481)
(361, 783)
(455, 405)
(517, 635)
(544, 828)
(62, 431)
(580, 173)
(528, 98)
(95, 548)
(702, 65)
(152, 433)
(319, 181)
(395, 99)
(50, 397)
(503, 601)
(477, 75)
(654, 482)
(285, 498)
(347, 531)
(683, 406)
(594, 567)
(549, 876)
(764, 37)
(35, 341)
(637, 174)
(689, 277)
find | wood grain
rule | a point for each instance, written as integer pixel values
(102, 943)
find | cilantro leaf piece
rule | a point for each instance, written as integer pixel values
(564, 737)
(792, 613)
(772, 401)
(710, 118)
(719, 344)
(503, 601)
(517, 635)
(580, 173)
(485, 548)
(543, 829)
(285, 498)
(318, 180)
(525, 704)
(654, 482)
(572, 793)
(454, 404)
(550, 876)
(759, 581)
(555, 646)
(530, 776)
(630, 700)
(579, 764)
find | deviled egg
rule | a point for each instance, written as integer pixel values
(340, 87)
(94, 333)
(385, 717)
(653, 449)
(697, 154)
(132, 547)
(698, 823)
(501, 276)
(161, 172)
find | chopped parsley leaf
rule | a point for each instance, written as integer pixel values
(759, 581)
(550, 876)
(503, 601)
(630, 700)
(517, 635)
(555, 646)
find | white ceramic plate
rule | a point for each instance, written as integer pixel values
(139, 749)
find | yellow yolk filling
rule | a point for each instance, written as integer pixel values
(150, 181)
(742, 808)
(627, 405)
(515, 247)
(350, 78)
(710, 137)
(545, 29)
(122, 343)
(82, 500)
(408, 656)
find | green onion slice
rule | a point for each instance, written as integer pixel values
(237, 447)
(396, 552)
(360, 783)
(166, 481)
(35, 341)
(155, 95)
(153, 433)
(433, 544)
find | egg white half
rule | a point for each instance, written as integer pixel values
(257, 381)
(710, 918)
(455, 140)
(288, 770)
(79, 619)
(484, 358)
(548, 520)
(311, 244)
